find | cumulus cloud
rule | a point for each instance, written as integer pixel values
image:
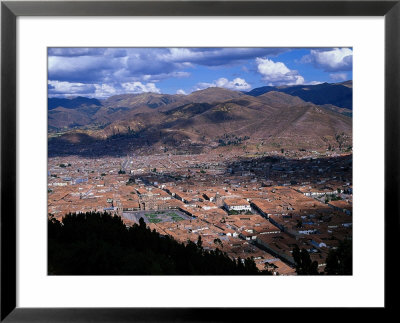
(105, 90)
(180, 91)
(56, 88)
(139, 87)
(333, 60)
(115, 70)
(338, 76)
(217, 56)
(100, 91)
(110, 65)
(277, 73)
(83, 69)
(237, 84)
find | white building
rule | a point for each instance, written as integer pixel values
(237, 204)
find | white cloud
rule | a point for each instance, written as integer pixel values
(58, 88)
(338, 76)
(83, 69)
(179, 54)
(180, 91)
(105, 90)
(237, 84)
(215, 56)
(336, 59)
(277, 73)
(139, 87)
(100, 91)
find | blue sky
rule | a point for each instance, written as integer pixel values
(103, 72)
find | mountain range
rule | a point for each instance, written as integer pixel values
(336, 94)
(266, 118)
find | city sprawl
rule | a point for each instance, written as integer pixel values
(257, 207)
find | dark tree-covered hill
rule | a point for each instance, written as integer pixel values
(101, 244)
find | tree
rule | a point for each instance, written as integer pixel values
(142, 224)
(340, 261)
(304, 265)
(249, 264)
(218, 241)
(199, 242)
(95, 243)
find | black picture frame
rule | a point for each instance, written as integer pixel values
(10, 10)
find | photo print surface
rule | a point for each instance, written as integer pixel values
(200, 161)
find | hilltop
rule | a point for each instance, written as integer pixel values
(215, 118)
(337, 94)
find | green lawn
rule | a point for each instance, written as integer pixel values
(152, 215)
(176, 218)
(154, 220)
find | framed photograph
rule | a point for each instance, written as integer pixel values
(187, 160)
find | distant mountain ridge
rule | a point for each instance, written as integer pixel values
(71, 103)
(214, 117)
(337, 94)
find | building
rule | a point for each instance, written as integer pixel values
(237, 204)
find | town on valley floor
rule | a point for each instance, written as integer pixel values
(254, 206)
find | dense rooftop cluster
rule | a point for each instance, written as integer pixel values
(257, 207)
